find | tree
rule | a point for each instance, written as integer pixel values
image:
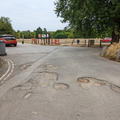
(18, 34)
(5, 26)
(38, 31)
(91, 18)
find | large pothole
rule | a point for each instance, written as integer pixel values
(44, 79)
(87, 82)
(91, 81)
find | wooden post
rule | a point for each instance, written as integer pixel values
(100, 43)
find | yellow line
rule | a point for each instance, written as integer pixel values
(8, 72)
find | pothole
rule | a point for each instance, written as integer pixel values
(90, 81)
(83, 80)
(46, 67)
(87, 82)
(60, 86)
(115, 88)
(26, 86)
(25, 66)
(44, 79)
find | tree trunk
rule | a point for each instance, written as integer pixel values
(115, 38)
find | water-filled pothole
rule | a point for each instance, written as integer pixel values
(60, 86)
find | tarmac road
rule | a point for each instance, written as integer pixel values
(60, 83)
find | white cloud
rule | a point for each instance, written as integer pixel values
(30, 14)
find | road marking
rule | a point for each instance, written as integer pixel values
(25, 75)
(8, 72)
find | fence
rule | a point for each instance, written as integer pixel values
(83, 42)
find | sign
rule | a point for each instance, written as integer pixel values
(45, 36)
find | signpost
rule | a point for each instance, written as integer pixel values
(46, 38)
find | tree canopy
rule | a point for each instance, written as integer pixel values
(5, 26)
(91, 17)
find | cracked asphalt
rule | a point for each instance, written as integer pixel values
(60, 83)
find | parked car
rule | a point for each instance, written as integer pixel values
(107, 40)
(9, 40)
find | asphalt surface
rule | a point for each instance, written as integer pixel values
(60, 83)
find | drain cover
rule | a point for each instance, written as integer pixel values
(61, 86)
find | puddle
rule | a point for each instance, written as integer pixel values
(60, 86)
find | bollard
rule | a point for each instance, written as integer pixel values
(2, 48)
(100, 43)
(85, 42)
(22, 41)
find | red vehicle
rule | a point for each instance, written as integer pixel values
(107, 40)
(9, 40)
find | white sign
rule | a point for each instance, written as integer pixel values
(45, 35)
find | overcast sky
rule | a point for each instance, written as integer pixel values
(30, 14)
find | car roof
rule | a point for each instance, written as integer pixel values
(6, 35)
(107, 38)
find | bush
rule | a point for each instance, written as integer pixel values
(112, 51)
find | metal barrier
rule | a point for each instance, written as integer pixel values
(91, 43)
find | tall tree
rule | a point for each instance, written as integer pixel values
(90, 17)
(45, 32)
(5, 26)
(39, 31)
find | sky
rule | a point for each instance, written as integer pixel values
(31, 14)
